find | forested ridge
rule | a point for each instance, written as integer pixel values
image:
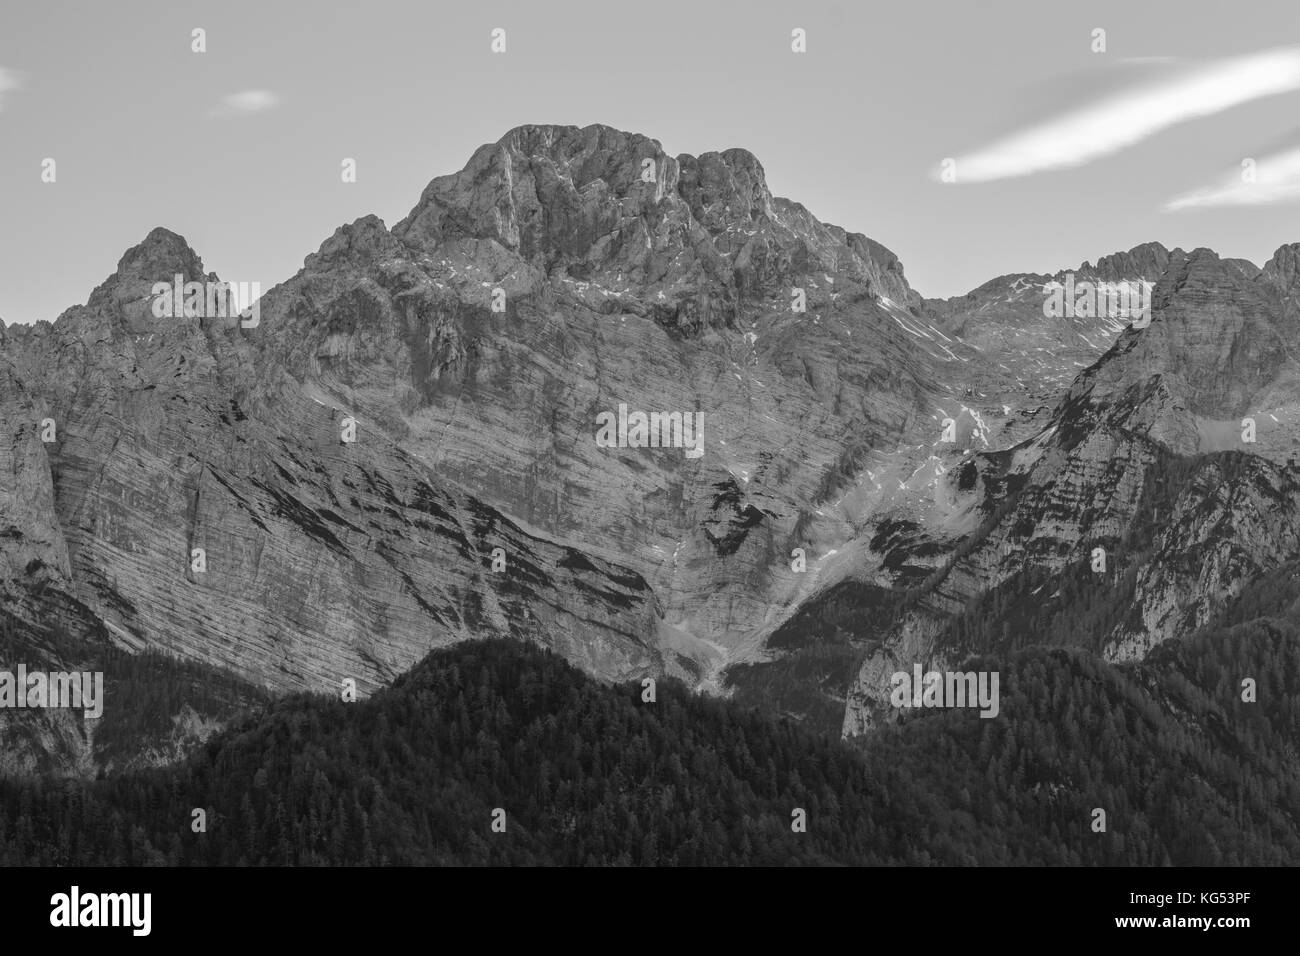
(587, 773)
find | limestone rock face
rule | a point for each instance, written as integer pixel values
(34, 546)
(1031, 346)
(1213, 373)
(1218, 351)
(566, 274)
(690, 241)
(320, 560)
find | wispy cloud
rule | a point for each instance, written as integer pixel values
(248, 101)
(1276, 179)
(1130, 116)
(9, 80)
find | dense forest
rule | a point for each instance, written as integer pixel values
(1185, 770)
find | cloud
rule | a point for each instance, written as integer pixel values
(1276, 180)
(246, 102)
(1130, 116)
(9, 80)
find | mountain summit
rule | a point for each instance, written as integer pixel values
(633, 227)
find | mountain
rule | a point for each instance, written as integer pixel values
(328, 560)
(1031, 342)
(863, 479)
(665, 296)
(324, 560)
(1188, 424)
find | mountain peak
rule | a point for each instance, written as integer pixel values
(685, 238)
(126, 295)
(1146, 259)
(363, 240)
(161, 254)
(533, 191)
(1284, 267)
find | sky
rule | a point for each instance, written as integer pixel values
(1061, 152)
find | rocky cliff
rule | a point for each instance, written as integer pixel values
(321, 559)
(566, 273)
(1209, 385)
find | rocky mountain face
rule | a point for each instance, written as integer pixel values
(436, 432)
(1211, 384)
(187, 484)
(321, 560)
(1035, 333)
(622, 277)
